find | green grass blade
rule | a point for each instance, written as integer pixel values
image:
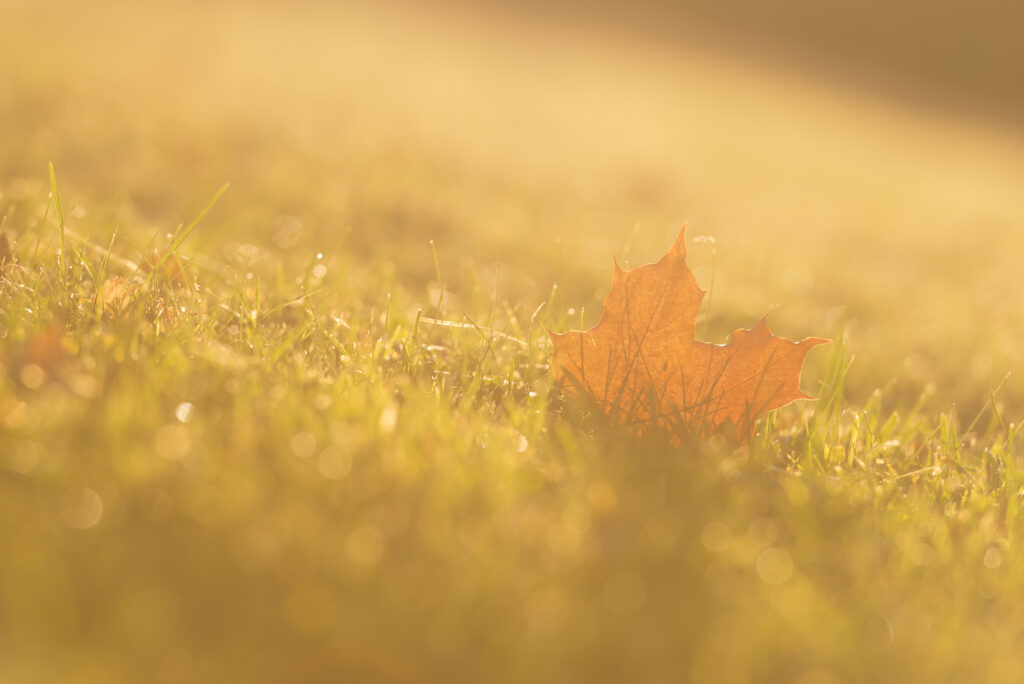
(61, 258)
(183, 235)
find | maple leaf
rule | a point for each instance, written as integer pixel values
(643, 368)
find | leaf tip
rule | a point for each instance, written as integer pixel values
(679, 246)
(814, 341)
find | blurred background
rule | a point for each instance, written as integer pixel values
(858, 165)
(945, 55)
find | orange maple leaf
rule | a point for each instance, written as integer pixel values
(643, 368)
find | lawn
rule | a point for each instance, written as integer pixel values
(305, 429)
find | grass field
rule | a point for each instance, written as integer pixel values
(330, 448)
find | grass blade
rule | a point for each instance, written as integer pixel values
(61, 258)
(183, 235)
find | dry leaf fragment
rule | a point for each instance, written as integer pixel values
(117, 295)
(49, 348)
(643, 368)
(173, 267)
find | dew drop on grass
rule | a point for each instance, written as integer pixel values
(303, 444)
(774, 566)
(24, 458)
(319, 271)
(14, 415)
(522, 444)
(84, 385)
(32, 376)
(247, 253)
(389, 419)
(172, 442)
(183, 411)
(335, 463)
(82, 509)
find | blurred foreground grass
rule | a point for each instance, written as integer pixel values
(287, 470)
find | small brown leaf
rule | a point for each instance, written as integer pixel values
(162, 314)
(48, 349)
(117, 295)
(643, 368)
(174, 267)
